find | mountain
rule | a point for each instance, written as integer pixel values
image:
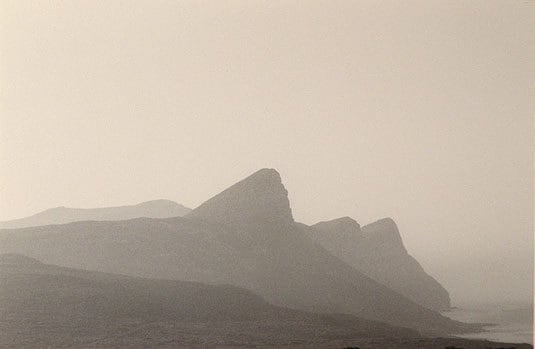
(62, 215)
(259, 200)
(49, 306)
(246, 237)
(46, 306)
(377, 250)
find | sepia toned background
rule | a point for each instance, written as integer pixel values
(418, 110)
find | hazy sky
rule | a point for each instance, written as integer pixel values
(418, 110)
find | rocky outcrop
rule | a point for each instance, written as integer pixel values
(378, 251)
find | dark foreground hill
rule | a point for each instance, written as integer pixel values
(378, 251)
(49, 306)
(62, 215)
(244, 236)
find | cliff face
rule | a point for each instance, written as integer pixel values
(377, 250)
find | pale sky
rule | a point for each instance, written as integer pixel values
(418, 110)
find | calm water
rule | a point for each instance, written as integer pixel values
(514, 322)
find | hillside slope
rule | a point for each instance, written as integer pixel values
(378, 251)
(49, 306)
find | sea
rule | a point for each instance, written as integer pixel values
(512, 323)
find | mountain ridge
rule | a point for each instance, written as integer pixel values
(377, 250)
(239, 237)
(160, 208)
(259, 198)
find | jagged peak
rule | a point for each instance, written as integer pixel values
(384, 230)
(346, 223)
(258, 199)
(387, 223)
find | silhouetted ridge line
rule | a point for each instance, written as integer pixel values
(260, 198)
(378, 251)
(244, 236)
(385, 230)
(61, 215)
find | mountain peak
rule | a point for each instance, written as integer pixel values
(384, 231)
(260, 198)
(383, 224)
(346, 225)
